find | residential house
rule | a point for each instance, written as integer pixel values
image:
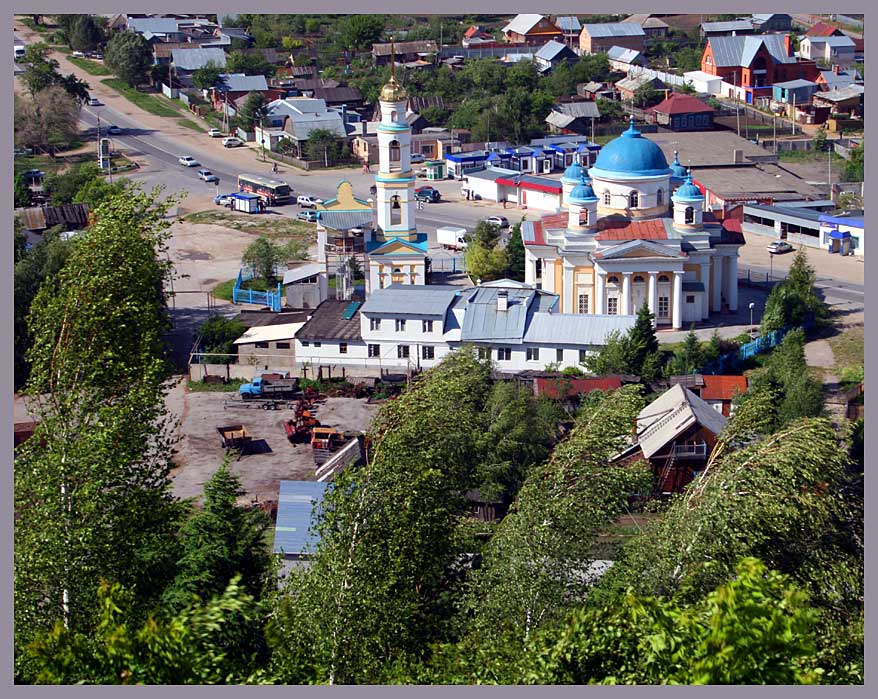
(477, 37)
(842, 100)
(718, 391)
(595, 90)
(831, 50)
(187, 61)
(628, 87)
(738, 27)
(294, 118)
(824, 29)
(752, 64)
(532, 30)
(161, 51)
(573, 117)
(349, 97)
(155, 29)
(600, 38)
(623, 59)
(570, 28)
(836, 78)
(232, 86)
(552, 54)
(680, 112)
(307, 85)
(653, 27)
(415, 326)
(772, 22)
(676, 434)
(404, 52)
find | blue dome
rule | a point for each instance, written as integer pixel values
(678, 172)
(573, 173)
(582, 194)
(688, 192)
(630, 156)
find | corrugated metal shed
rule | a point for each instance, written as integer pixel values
(670, 415)
(297, 503)
(575, 329)
(613, 29)
(194, 59)
(429, 300)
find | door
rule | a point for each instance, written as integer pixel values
(638, 292)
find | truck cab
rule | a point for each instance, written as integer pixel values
(252, 389)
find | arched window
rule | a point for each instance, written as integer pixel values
(583, 217)
(395, 211)
(393, 115)
(659, 198)
(606, 198)
(633, 200)
(638, 279)
(664, 278)
(394, 156)
(690, 215)
(612, 279)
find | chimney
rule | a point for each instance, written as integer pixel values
(738, 156)
(788, 44)
(502, 300)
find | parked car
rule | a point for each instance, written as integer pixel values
(113, 129)
(207, 176)
(501, 221)
(431, 192)
(417, 158)
(232, 142)
(78, 54)
(308, 202)
(188, 161)
(779, 247)
(309, 216)
(222, 199)
(214, 133)
(424, 196)
(94, 102)
(96, 56)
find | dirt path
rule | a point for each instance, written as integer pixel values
(818, 354)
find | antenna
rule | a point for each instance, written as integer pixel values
(392, 61)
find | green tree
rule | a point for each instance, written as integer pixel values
(48, 121)
(610, 110)
(689, 359)
(612, 358)
(646, 95)
(324, 146)
(263, 257)
(41, 73)
(207, 76)
(21, 192)
(819, 141)
(129, 56)
(64, 186)
(486, 234)
(642, 342)
(854, 168)
(98, 190)
(795, 298)
(485, 263)
(361, 31)
(218, 335)
(85, 34)
(253, 110)
(515, 254)
(249, 64)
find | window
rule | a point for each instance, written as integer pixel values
(606, 198)
(638, 279)
(427, 326)
(282, 345)
(583, 217)
(539, 268)
(402, 351)
(633, 200)
(483, 352)
(559, 355)
(690, 298)
(317, 344)
(690, 215)
(612, 279)
(664, 278)
(583, 354)
(659, 198)
(374, 350)
(612, 306)
(342, 347)
(395, 211)
(664, 306)
(374, 323)
(582, 303)
(428, 352)
(504, 354)
(533, 354)
(400, 325)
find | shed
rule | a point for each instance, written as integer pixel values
(298, 505)
(248, 203)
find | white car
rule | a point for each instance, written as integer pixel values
(232, 142)
(78, 54)
(214, 133)
(417, 158)
(188, 161)
(307, 202)
(94, 102)
(207, 176)
(501, 221)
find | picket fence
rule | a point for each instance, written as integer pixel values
(272, 299)
(763, 343)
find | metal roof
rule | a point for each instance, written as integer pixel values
(843, 40)
(344, 220)
(269, 333)
(783, 212)
(423, 300)
(483, 322)
(670, 415)
(193, 59)
(575, 329)
(239, 82)
(562, 121)
(568, 24)
(739, 25)
(577, 110)
(793, 84)
(351, 310)
(740, 50)
(297, 503)
(840, 94)
(613, 29)
(492, 174)
(155, 25)
(522, 24)
(303, 272)
(620, 53)
(551, 50)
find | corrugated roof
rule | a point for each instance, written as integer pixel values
(841, 94)
(740, 25)
(621, 54)
(298, 504)
(633, 83)
(303, 272)
(239, 82)
(193, 59)
(671, 414)
(798, 82)
(522, 24)
(155, 25)
(740, 50)
(834, 41)
(613, 29)
(326, 323)
(576, 328)
(344, 220)
(568, 24)
(578, 109)
(428, 300)
(562, 121)
(550, 51)
(68, 215)
(269, 333)
(300, 126)
(718, 387)
(483, 322)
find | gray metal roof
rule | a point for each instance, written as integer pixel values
(483, 322)
(301, 126)
(297, 502)
(397, 299)
(491, 174)
(578, 109)
(344, 220)
(238, 82)
(843, 40)
(793, 84)
(738, 25)
(568, 24)
(613, 29)
(522, 24)
(155, 25)
(575, 329)
(671, 414)
(304, 272)
(842, 93)
(562, 121)
(552, 49)
(193, 59)
(740, 50)
(620, 53)
(795, 213)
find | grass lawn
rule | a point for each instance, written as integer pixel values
(808, 156)
(149, 103)
(199, 386)
(849, 350)
(90, 67)
(271, 227)
(223, 290)
(190, 125)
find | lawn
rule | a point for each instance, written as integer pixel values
(809, 156)
(90, 67)
(223, 290)
(190, 125)
(848, 348)
(200, 386)
(269, 226)
(149, 103)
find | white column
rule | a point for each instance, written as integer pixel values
(626, 293)
(705, 298)
(600, 286)
(568, 303)
(717, 282)
(677, 302)
(653, 295)
(733, 282)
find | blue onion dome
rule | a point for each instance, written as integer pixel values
(688, 192)
(573, 173)
(678, 172)
(582, 194)
(630, 156)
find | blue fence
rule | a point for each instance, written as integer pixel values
(747, 351)
(272, 299)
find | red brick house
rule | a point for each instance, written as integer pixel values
(532, 30)
(755, 63)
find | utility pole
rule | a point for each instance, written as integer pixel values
(737, 107)
(774, 132)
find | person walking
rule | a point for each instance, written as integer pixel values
(274, 168)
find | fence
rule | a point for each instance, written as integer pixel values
(170, 92)
(272, 299)
(448, 264)
(312, 164)
(751, 349)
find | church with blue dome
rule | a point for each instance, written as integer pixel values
(634, 231)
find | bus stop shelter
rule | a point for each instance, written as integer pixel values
(248, 203)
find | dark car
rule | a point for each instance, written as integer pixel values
(427, 194)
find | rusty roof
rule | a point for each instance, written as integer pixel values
(723, 387)
(623, 229)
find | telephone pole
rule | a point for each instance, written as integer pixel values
(737, 107)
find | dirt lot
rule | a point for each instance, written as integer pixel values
(272, 459)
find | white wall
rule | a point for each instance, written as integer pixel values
(486, 189)
(544, 201)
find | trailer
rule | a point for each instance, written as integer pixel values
(234, 437)
(260, 403)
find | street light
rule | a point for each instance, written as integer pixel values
(751, 307)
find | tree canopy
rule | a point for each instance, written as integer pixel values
(129, 56)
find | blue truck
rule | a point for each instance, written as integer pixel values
(262, 387)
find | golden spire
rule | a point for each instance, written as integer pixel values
(393, 91)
